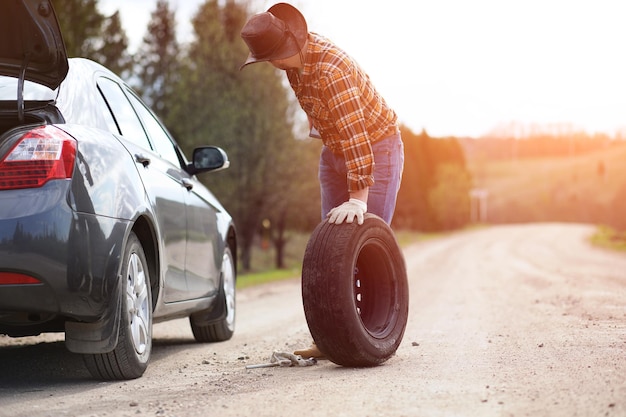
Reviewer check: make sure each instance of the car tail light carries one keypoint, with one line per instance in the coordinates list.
(41, 155)
(14, 278)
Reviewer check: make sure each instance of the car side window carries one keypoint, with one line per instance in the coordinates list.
(127, 121)
(108, 115)
(158, 135)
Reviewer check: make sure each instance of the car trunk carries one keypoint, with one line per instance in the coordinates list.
(35, 113)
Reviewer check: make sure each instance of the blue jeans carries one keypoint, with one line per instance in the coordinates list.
(388, 167)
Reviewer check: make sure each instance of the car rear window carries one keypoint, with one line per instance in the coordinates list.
(32, 91)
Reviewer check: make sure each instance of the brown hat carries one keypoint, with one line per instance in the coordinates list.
(279, 33)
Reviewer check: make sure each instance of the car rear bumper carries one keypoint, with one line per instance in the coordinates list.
(75, 256)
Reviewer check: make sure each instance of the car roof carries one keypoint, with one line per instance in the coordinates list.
(32, 47)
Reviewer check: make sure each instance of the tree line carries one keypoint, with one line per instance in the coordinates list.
(198, 91)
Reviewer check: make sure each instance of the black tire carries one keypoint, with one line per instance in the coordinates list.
(217, 324)
(355, 291)
(130, 357)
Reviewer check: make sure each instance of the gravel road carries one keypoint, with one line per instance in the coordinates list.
(519, 320)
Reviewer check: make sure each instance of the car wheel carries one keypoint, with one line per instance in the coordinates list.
(130, 357)
(217, 324)
(355, 291)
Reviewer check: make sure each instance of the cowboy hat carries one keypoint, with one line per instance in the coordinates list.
(279, 33)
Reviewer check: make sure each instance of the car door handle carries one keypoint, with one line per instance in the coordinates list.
(141, 158)
(187, 183)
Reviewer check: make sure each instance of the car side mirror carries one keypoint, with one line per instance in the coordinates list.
(208, 158)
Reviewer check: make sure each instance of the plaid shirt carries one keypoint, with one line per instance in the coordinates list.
(343, 105)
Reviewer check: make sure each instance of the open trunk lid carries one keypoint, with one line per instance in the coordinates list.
(32, 47)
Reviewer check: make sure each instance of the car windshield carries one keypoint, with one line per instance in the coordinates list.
(32, 91)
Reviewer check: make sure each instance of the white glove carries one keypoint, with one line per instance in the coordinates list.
(348, 211)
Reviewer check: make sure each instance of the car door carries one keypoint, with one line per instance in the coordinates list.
(163, 186)
(204, 254)
(202, 257)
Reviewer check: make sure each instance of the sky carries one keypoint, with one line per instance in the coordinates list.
(468, 67)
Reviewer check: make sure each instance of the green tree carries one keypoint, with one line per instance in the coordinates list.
(81, 26)
(89, 34)
(295, 203)
(429, 164)
(112, 50)
(449, 198)
(412, 209)
(249, 114)
(157, 60)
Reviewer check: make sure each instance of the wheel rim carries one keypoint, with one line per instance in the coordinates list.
(228, 276)
(137, 303)
(375, 290)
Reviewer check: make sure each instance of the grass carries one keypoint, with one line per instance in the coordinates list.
(605, 237)
(265, 272)
(263, 259)
(272, 275)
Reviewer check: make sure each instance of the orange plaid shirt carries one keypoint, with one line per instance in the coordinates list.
(343, 105)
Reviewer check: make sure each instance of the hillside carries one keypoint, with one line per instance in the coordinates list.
(580, 188)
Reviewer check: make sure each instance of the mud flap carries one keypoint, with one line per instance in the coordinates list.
(97, 337)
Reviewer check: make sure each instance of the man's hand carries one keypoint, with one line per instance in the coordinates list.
(348, 211)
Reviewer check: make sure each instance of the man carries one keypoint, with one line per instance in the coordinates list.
(362, 156)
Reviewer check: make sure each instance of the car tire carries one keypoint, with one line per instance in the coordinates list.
(218, 323)
(130, 357)
(355, 291)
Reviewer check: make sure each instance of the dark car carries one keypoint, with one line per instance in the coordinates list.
(104, 227)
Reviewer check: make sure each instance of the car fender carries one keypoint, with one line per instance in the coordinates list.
(100, 166)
